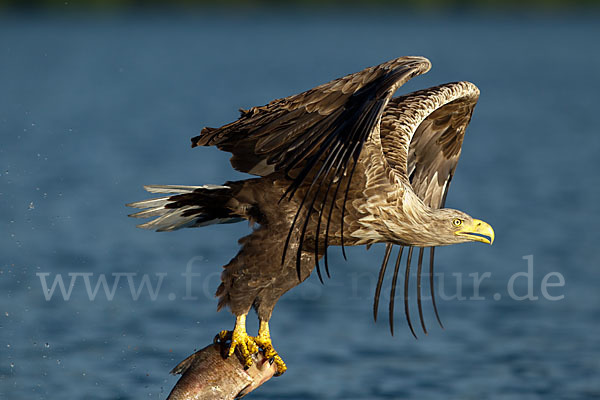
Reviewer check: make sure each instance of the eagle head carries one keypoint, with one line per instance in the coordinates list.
(454, 226)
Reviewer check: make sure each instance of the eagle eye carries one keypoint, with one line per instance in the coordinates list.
(457, 222)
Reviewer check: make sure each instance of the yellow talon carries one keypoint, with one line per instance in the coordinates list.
(263, 340)
(223, 336)
(239, 340)
(247, 346)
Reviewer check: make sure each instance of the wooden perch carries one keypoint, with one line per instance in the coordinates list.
(207, 374)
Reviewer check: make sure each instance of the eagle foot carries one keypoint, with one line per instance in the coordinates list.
(242, 342)
(239, 339)
(248, 346)
(263, 340)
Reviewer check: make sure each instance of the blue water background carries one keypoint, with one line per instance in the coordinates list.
(94, 107)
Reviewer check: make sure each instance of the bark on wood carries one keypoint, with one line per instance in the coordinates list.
(207, 374)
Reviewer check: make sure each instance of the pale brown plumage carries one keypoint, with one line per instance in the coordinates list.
(341, 164)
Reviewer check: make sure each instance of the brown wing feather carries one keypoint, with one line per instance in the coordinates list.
(436, 143)
(435, 150)
(287, 132)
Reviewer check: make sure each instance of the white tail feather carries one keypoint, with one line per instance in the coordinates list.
(179, 189)
(158, 202)
(150, 212)
(172, 218)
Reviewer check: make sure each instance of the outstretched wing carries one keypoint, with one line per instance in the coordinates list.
(298, 130)
(436, 147)
(314, 137)
(422, 134)
(433, 154)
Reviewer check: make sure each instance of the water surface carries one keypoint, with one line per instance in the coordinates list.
(92, 108)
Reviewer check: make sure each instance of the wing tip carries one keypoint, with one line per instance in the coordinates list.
(204, 138)
(422, 63)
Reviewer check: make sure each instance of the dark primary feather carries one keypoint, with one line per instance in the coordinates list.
(431, 286)
(314, 137)
(406, 281)
(388, 251)
(393, 291)
(419, 305)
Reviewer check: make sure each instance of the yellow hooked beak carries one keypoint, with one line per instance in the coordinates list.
(477, 230)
